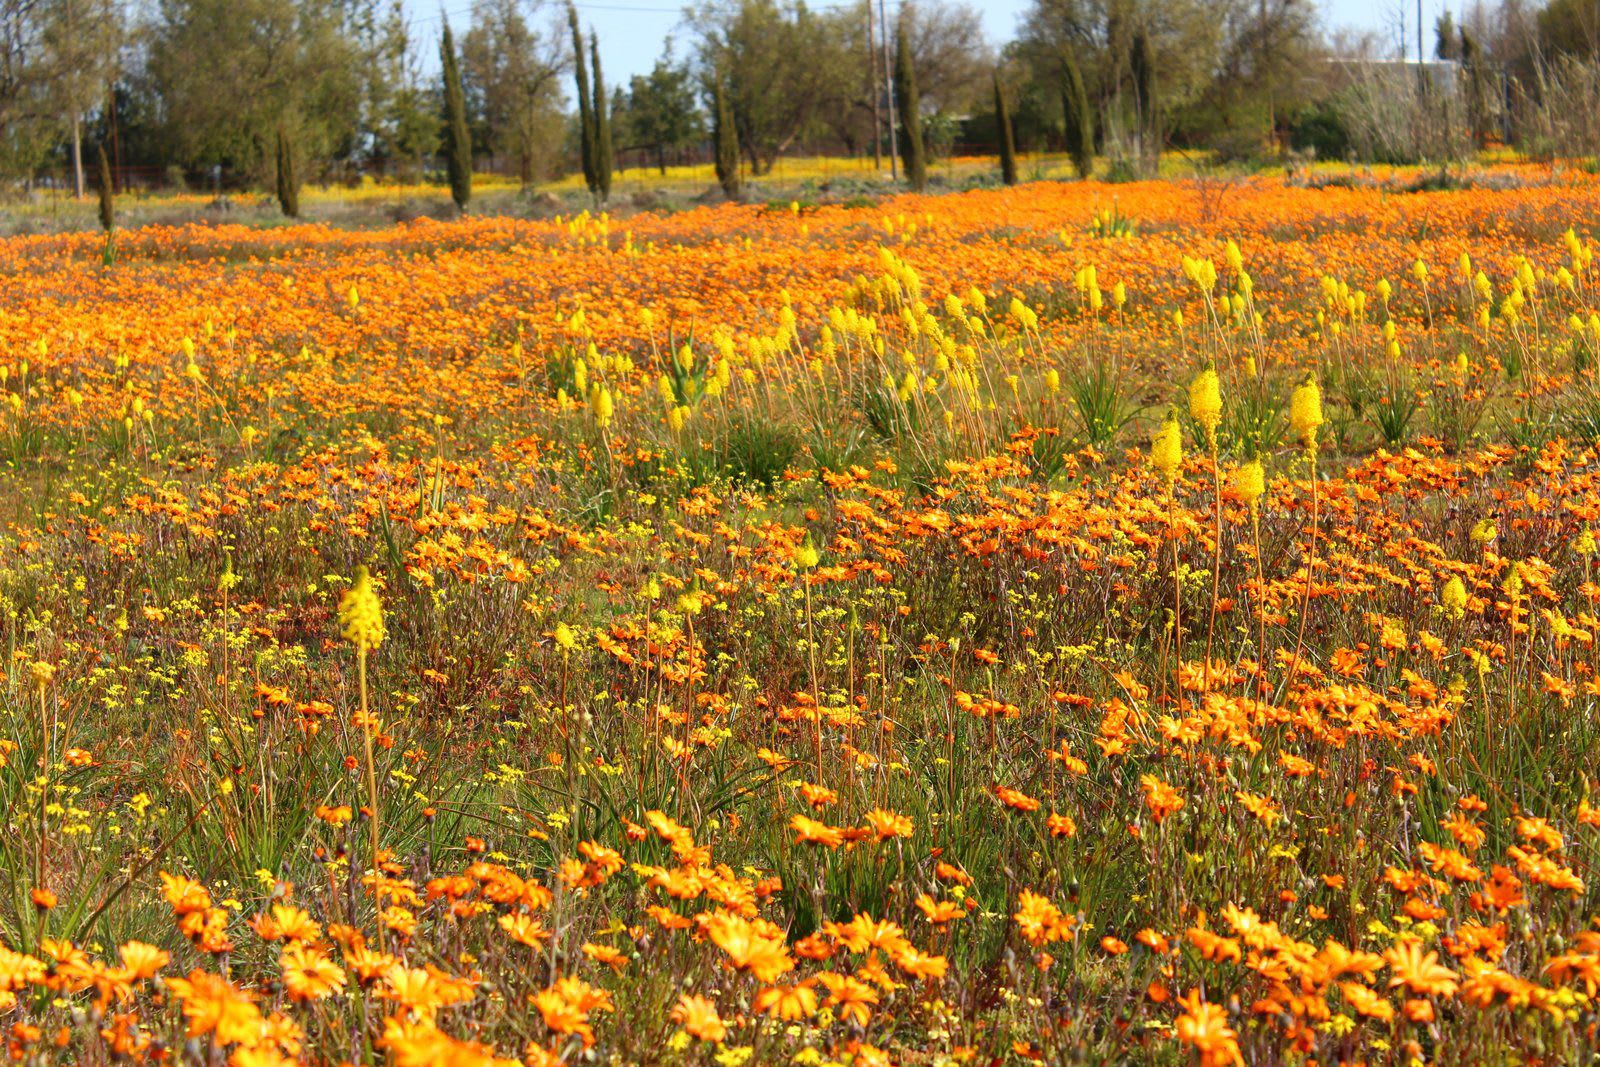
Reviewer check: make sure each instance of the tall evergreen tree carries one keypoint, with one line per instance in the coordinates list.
(905, 93)
(1008, 143)
(726, 139)
(288, 176)
(604, 153)
(1079, 117)
(108, 193)
(457, 137)
(586, 126)
(1142, 68)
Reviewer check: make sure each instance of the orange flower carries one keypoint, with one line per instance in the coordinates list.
(308, 974)
(699, 1018)
(790, 1003)
(1205, 1027)
(750, 948)
(1011, 798)
(1061, 825)
(1159, 797)
(214, 1006)
(810, 831)
(1419, 972)
(887, 824)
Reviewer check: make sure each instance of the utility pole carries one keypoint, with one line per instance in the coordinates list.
(888, 85)
(872, 91)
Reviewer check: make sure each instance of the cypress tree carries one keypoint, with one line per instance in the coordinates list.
(457, 138)
(727, 141)
(1008, 144)
(905, 92)
(108, 199)
(1141, 65)
(586, 131)
(288, 180)
(1477, 96)
(1079, 119)
(604, 155)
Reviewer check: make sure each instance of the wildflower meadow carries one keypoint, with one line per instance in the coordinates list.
(1061, 623)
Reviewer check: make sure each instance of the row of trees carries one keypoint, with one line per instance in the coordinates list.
(259, 88)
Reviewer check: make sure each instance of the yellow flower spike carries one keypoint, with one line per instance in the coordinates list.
(1512, 586)
(1453, 598)
(361, 613)
(227, 579)
(43, 673)
(1166, 448)
(601, 404)
(806, 556)
(566, 640)
(1305, 413)
(1205, 404)
(1484, 531)
(1234, 256)
(1250, 484)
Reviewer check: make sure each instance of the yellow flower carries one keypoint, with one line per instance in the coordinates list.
(602, 405)
(1513, 583)
(805, 554)
(565, 638)
(360, 613)
(1484, 531)
(1453, 598)
(1166, 447)
(1305, 412)
(1249, 483)
(1233, 255)
(1205, 404)
(42, 673)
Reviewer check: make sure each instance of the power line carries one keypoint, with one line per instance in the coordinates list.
(629, 9)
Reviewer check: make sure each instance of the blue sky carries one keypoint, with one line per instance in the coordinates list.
(632, 31)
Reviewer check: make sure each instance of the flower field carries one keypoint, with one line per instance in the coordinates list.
(1071, 623)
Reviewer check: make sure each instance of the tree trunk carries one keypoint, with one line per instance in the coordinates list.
(77, 157)
(906, 101)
